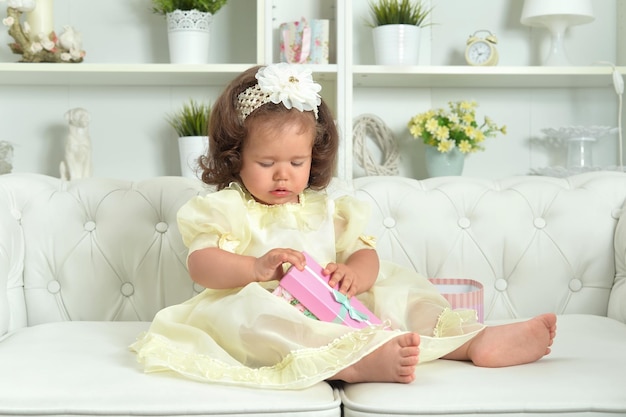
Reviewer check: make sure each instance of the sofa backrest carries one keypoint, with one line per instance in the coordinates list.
(104, 249)
(91, 249)
(537, 244)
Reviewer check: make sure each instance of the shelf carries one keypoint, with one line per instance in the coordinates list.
(483, 77)
(363, 75)
(131, 74)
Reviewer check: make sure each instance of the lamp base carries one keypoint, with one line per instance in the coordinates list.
(557, 55)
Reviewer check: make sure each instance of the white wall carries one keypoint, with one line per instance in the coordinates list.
(131, 138)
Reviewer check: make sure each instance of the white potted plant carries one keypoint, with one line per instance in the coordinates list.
(188, 28)
(191, 123)
(396, 30)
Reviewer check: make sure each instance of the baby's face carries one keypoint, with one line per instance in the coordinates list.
(277, 162)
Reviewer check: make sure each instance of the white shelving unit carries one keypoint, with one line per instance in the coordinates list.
(344, 80)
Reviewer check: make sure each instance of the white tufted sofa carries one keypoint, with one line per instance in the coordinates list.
(85, 265)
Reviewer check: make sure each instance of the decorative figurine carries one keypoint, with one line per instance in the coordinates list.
(67, 47)
(6, 154)
(77, 163)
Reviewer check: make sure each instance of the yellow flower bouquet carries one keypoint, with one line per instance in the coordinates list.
(455, 127)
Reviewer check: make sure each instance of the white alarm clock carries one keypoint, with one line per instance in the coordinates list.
(481, 50)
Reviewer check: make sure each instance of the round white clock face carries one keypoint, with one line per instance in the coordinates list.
(479, 52)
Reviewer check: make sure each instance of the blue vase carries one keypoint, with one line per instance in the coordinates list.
(440, 164)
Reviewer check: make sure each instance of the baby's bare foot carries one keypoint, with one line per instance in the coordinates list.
(395, 361)
(513, 344)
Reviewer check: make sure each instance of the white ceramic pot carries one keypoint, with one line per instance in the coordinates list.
(189, 35)
(397, 44)
(190, 149)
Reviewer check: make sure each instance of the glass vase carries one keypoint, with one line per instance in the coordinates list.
(440, 164)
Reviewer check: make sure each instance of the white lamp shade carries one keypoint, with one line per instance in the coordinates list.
(538, 12)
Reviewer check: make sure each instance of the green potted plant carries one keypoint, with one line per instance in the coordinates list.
(191, 120)
(396, 30)
(188, 28)
(167, 6)
(191, 124)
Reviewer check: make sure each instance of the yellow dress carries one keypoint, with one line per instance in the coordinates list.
(248, 336)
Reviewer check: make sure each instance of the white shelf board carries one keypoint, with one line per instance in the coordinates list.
(131, 74)
(363, 75)
(484, 77)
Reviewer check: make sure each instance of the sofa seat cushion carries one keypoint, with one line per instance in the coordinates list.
(584, 375)
(86, 368)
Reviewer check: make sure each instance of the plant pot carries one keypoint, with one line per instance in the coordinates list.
(440, 164)
(188, 34)
(396, 44)
(190, 148)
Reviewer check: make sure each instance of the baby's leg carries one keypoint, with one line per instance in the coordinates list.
(510, 344)
(394, 361)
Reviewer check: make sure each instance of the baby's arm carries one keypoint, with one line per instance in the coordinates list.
(218, 269)
(357, 275)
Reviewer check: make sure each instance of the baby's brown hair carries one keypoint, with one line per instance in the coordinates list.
(227, 133)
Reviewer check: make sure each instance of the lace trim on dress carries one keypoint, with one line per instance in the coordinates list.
(307, 214)
(453, 322)
(299, 369)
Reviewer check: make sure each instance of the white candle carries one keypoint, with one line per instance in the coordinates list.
(41, 19)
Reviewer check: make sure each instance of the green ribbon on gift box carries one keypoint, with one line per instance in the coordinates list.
(347, 308)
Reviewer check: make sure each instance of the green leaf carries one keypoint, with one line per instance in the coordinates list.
(406, 12)
(168, 6)
(191, 120)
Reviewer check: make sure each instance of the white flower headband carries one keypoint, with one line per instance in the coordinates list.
(290, 84)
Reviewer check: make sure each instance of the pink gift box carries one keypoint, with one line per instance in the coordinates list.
(462, 294)
(310, 288)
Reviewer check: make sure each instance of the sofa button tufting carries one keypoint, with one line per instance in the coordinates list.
(575, 285)
(127, 289)
(161, 227)
(389, 222)
(197, 288)
(539, 223)
(54, 287)
(90, 226)
(17, 215)
(464, 223)
(501, 284)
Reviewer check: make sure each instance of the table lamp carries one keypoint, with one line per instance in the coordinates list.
(557, 16)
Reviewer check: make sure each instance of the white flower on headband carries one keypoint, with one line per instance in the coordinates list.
(290, 84)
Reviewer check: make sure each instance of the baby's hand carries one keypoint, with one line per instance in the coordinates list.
(343, 275)
(270, 266)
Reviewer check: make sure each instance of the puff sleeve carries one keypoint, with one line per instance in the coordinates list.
(215, 220)
(351, 217)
